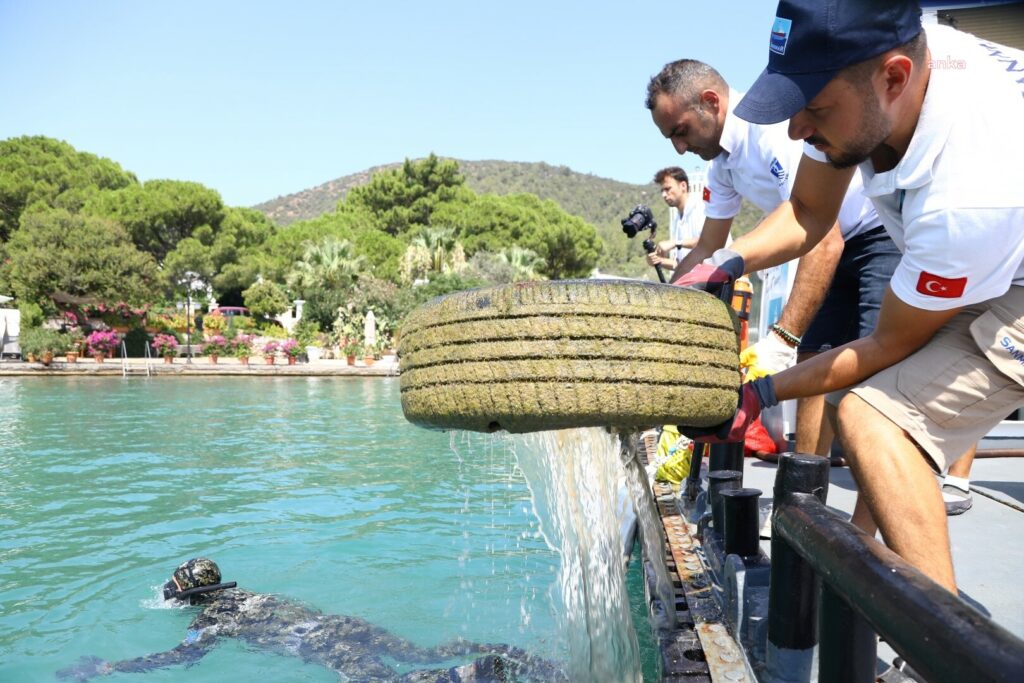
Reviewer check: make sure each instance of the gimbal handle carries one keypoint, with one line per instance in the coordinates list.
(649, 246)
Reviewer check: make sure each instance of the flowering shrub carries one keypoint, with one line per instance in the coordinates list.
(165, 345)
(118, 314)
(271, 347)
(242, 345)
(290, 347)
(215, 323)
(215, 345)
(101, 342)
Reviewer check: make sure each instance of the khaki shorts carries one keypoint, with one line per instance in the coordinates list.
(959, 385)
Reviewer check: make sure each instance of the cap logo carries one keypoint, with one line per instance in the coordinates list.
(780, 35)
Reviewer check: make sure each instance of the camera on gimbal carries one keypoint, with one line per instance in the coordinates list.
(638, 220)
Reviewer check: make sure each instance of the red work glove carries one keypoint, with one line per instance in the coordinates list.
(754, 396)
(723, 268)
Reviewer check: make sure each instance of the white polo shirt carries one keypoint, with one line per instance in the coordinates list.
(688, 225)
(954, 204)
(759, 162)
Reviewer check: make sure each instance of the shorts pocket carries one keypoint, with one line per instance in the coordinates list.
(1002, 342)
(955, 389)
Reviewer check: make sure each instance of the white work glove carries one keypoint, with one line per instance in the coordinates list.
(772, 354)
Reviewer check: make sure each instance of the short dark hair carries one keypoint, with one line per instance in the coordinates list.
(916, 48)
(685, 78)
(674, 171)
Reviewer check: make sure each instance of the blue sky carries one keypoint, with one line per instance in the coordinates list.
(260, 99)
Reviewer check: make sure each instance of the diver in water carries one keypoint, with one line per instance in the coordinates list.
(350, 646)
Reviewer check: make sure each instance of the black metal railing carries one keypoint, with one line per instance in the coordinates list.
(835, 586)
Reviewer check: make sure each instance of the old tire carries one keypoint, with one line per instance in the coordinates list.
(552, 355)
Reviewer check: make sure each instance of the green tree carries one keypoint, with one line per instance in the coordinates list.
(401, 199)
(161, 213)
(51, 172)
(56, 252)
(569, 246)
(266, 299)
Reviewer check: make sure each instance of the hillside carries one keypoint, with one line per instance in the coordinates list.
(601, 202)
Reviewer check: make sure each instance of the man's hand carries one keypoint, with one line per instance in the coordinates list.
(723, 268)
(654, 260)
(665, 246)
(768, 356)
(754, 397)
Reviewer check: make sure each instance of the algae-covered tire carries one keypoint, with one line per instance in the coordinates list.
(550, 355)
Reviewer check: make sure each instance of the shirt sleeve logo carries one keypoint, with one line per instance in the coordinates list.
(707, 193)
(777, 170)
(942, 287)
(780, 35)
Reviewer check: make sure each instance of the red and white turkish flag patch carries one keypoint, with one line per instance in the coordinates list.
(942, 287)
(707, 193)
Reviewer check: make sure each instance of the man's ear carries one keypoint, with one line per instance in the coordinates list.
(710, 101)
(893, 75)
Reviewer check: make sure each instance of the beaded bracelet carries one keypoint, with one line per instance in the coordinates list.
(786, 335)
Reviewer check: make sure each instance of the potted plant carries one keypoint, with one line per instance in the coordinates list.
(51, 342)
(166, 346)
(351, 349)
(101, 343)
(30, 343)
(215, 346)
(291, 349)
(73, 341)
(242, 345)
(269, 349)
(368, 355)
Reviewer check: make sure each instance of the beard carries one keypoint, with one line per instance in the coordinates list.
(875, 129)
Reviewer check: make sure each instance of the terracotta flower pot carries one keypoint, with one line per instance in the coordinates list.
(368, 360)
(213, 358)
(269, 360)
(351, 360)
(168, 360)
(99, 357)
(244, 360)
(47, 357)
(291, 360)
(71, 356)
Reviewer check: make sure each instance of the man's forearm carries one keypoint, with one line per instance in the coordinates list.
(813, 277)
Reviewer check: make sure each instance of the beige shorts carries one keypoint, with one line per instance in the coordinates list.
(959, 385)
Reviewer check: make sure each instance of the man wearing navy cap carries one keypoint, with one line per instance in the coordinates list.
(924, 114)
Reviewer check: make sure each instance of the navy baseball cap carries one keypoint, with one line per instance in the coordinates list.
(812, 40)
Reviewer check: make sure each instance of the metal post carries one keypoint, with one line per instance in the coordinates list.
(726, 456)
(793, 588)
(188, 321)
(742, 522)
(847, 645)
(722, 480)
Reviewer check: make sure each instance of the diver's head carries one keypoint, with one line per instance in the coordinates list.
(198, 575)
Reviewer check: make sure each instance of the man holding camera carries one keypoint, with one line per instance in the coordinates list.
(686, 218)
(692, 105)
(943, 366)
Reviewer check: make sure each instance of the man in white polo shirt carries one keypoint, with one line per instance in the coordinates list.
(686, 218)
(933, 142)
(692, 105)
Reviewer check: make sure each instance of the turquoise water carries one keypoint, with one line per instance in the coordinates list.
(311, 488)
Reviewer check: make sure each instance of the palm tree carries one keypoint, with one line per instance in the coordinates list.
(524, 263)
(433, 250)
(331, 264)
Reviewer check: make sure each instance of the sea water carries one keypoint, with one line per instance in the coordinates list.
(315, 489)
